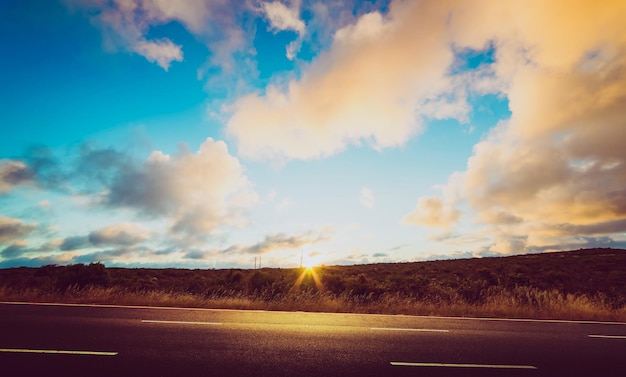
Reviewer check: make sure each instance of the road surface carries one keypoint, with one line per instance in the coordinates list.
(84, 340)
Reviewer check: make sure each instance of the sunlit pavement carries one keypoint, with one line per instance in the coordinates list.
(99, 340)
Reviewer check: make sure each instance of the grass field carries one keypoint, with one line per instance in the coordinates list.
(583, 284)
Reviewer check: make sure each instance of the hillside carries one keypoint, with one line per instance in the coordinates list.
(589, 283)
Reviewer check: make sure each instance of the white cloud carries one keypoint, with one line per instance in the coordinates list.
(124, 234)
(379, 77)
(198, 192)
(283, 17)
(431, 211)
(163, 52)
(366, 197)
(125, 25)
(283, 205)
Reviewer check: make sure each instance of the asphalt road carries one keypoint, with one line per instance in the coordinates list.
(63, 340)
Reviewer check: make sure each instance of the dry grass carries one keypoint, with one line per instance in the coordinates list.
(521, 303)
(578, 285)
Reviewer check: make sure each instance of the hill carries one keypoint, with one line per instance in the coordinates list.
(578, 284)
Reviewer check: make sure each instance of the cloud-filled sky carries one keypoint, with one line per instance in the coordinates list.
(208, 133)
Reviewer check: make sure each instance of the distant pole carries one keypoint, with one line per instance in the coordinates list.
(301, 255)
(259, 261)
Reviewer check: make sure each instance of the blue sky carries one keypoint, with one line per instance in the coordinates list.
(206, 133)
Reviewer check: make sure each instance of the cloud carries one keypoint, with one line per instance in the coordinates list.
(198, 192)
(117, 255)
(556, 170)
(195, 193)
(374, 84)
(20, 248)
(74, 243)
(126, 25)
(283, 17)
(432, 211)
(11, 229)
(124, 234)
(13, 173)
(283, 205)
(281, 241)
(44, 204)
(163, 52)
(366, 198)
(15, 249)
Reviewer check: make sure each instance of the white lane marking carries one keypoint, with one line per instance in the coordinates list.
(445, 365)
(407, 329)
(63, 352)
(180, 322)
(608, 336)
(313, 313)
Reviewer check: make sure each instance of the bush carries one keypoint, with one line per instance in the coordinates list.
(79, 276)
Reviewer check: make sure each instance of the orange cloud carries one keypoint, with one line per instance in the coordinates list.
(556, 169)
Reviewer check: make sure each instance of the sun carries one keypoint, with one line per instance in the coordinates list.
(311, 260)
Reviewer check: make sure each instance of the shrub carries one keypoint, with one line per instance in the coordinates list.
(80, 276)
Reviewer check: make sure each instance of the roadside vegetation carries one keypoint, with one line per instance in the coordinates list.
(583, 284)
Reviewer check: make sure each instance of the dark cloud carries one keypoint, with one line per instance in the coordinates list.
(28, 262)
(46, 168)
(104, 255)
(398, 247)
(581, 242)
(380, 255)
(13, 250)
(196, 192)
(605, 227)
(196, 255)
(13, 173)
(101, 165)
(11, 228)
(75, 243)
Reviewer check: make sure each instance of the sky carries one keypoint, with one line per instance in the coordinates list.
(212, 133)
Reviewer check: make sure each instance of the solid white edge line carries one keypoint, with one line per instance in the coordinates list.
(406, 329)
(179, 322)
(62, 352)
(608, 336)
(447, 365)
(312, 313)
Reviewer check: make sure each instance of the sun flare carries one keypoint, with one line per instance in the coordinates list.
(313, 259)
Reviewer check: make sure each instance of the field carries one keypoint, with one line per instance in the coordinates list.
(585, 284)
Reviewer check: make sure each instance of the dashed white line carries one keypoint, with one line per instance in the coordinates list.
(446, 365)
(181, 322)
(62, 352)
(406, 329)
(608, 336)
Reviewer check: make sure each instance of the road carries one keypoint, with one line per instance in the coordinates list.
(83, 340)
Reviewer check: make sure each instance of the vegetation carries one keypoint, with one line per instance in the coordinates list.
(583, 284)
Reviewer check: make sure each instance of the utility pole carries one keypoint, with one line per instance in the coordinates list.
(259, 261)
